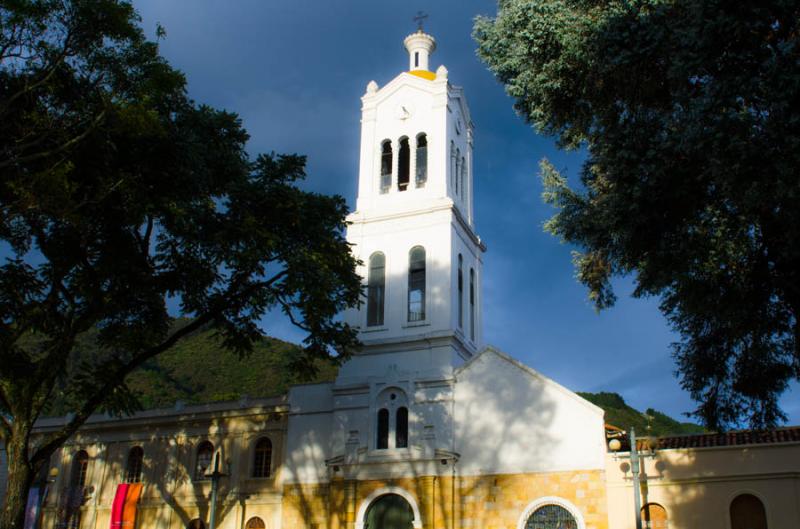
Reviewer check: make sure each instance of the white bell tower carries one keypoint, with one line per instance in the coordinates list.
(413, 228)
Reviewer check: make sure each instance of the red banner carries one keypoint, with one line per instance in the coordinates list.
(118, 506)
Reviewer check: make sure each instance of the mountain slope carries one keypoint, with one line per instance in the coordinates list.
(651, 422)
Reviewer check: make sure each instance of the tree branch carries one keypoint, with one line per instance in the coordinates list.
(61, 148)
(48, 73)
(55, 439)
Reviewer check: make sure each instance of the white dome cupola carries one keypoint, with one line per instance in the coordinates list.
(420, 46)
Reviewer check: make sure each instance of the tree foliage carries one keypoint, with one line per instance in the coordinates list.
(119, 197)
(689, 111)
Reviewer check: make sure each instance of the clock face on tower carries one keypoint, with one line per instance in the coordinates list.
(404, 111)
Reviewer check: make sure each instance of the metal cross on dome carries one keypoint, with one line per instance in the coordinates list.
(420, 18)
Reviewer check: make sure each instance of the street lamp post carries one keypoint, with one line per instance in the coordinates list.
(215, 475)
(635, 458)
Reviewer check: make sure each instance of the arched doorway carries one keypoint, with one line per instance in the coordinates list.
(390, 511)
(654, 516)
(747, 512)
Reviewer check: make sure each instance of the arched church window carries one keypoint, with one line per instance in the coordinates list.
(422, 159)
(654, 516)
(460, 292)
(747, 512)
(262, 458)
(458, 169)
(551, 516)
(255, 523)
(463, 175)
(393, 415)
(75, 493)
(133, 470)
(386, 166)
(197, 523)
(472, 304)
(401, 428)
(383, 429)
(80, 468)
(403, 164)
(376, 288)
(205, 453)
(416, 284)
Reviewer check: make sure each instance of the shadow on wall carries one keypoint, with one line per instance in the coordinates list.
(696, 487)
(174, 494)
(507, 424)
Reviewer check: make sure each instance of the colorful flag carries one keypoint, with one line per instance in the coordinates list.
(32, 509)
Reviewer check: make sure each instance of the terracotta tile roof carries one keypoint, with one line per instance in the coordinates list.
(734, 438)
(790, 434)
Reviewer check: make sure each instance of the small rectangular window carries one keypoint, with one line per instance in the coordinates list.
(416, 59)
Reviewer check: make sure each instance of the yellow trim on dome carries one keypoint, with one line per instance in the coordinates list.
(425, 74)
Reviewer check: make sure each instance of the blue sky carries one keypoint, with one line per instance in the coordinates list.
(295, 70)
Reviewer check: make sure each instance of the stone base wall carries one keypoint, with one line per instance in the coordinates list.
(444, 502)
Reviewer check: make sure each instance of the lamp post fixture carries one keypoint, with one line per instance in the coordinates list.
(634, 457)
(215, 475)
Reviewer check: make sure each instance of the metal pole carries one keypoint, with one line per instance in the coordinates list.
(637, 502)
(212, 523)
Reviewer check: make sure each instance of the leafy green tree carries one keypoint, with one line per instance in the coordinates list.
(689, 111)
(119, 196)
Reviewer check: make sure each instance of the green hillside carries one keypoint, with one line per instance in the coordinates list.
(200, 370)
(620, 414)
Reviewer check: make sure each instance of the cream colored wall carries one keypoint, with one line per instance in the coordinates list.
(696, 486)
(510, 419)
(170, 496)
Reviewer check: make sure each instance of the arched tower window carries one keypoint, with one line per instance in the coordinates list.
(80, 468)
(747, 512)
(392, 426)
(460, 292)
(205, 453)
(403, 164)
(133, 470)
(262, 458)
(452, 165)
(458, 169)
(386, 166)
(422, 160)
(383, 429)
(376, 288)
(416, 284)
(463, 175)
(472, 304)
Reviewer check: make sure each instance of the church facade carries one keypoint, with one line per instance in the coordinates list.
(426, 426)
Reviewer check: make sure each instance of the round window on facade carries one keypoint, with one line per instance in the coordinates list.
(551, 517)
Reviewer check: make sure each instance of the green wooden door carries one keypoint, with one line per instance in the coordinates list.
(389, 512)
